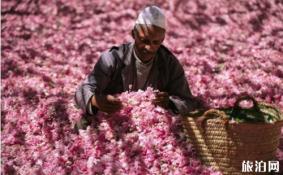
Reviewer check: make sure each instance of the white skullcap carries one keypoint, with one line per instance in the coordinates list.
(152, 15)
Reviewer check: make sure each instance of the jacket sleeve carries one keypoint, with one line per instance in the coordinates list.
(181, 98)
(95, 82)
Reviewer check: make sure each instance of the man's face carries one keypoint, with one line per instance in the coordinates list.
(148, 39)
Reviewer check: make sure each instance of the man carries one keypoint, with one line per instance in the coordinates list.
(145, 62)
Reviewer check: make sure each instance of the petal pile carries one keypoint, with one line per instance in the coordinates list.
(49, 47)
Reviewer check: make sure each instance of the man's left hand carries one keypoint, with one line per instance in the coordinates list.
(161, 99)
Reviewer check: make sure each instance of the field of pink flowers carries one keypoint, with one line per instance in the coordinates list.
(48, 48)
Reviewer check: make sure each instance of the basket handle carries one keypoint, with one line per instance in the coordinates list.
(237, 106)
(211, 114)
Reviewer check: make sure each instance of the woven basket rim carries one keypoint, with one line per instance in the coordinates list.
(280, 122)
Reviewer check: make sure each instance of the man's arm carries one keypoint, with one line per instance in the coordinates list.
(95, 83)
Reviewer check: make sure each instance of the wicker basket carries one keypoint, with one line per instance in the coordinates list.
(224, 145)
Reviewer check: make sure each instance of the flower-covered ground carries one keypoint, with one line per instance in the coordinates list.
(48, 48)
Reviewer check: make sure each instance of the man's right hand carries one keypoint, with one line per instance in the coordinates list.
(106, 103)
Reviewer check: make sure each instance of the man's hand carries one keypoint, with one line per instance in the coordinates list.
(161, 99)
(106, 103)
